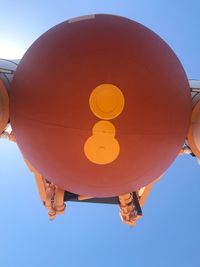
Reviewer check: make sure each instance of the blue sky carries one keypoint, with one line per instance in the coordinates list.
(90, 234)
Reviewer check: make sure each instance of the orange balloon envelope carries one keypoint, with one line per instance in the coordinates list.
(100, 105)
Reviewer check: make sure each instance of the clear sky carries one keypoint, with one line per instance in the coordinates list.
(92, 234)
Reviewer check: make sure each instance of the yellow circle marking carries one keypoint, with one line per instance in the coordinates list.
(101, 148)
(104, 127)
(106, 101)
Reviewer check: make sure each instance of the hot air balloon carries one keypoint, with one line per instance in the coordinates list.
(100, 106)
